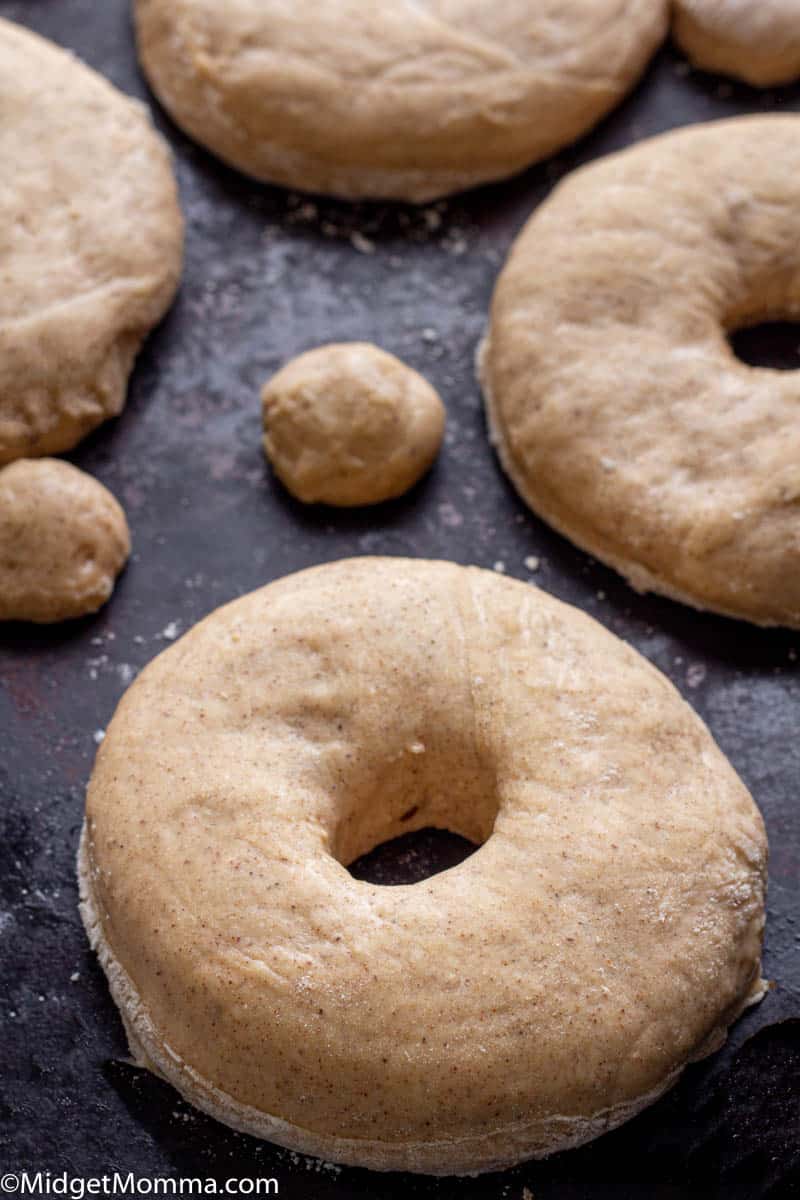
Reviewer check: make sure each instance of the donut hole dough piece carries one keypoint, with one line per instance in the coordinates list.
(616, 403)
(755, 40)
(407, 101)
(63, 541)
(90, 244)
(542, 991)
(349, 424)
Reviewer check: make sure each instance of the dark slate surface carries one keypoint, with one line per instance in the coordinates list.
(269, 274)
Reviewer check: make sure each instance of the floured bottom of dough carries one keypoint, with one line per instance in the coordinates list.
(494, 1150)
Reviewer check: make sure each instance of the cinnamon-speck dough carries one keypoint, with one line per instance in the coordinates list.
(617, 405)
(542, 991)
(405, 99)
(90, 244)
(755, 40)
(349, 424)
(63, 541)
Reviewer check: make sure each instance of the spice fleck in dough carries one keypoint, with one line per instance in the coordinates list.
(606, 933)
(617, 405)
(90, 244)
(349, 424)
(63, 541)
(407, 101)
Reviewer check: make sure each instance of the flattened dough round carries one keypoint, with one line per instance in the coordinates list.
(63, 541)
(90, 244)
(402, 99)
(617, 405)
(756, 40)
(606, 932)
(349, 424)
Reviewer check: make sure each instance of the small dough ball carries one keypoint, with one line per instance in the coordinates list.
(63, 541)
(349, 424)
(754, 40)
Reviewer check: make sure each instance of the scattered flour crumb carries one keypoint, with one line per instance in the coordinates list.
(362, 244)
(450, 516)
(532, 562)
(98, 736)
(171, 631)
(695, 674)
(500, 566)
(75, 976)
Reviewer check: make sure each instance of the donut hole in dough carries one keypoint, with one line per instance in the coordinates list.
(412, 857)
(774, 345)
(440, 782)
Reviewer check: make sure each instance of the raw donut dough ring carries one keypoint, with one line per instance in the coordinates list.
(616, 404)
(399, 99)
(755, 40)
(539, 993)
(63, 541)
(90, 244)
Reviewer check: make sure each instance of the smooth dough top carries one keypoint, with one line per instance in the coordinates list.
(618, 406)
(406, 99)
(349, 424)
(90, 244)
(604, 934)
(63, 541)
(756, 40)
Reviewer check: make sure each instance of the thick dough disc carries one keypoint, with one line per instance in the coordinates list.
(90, 244)
(405, 99)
